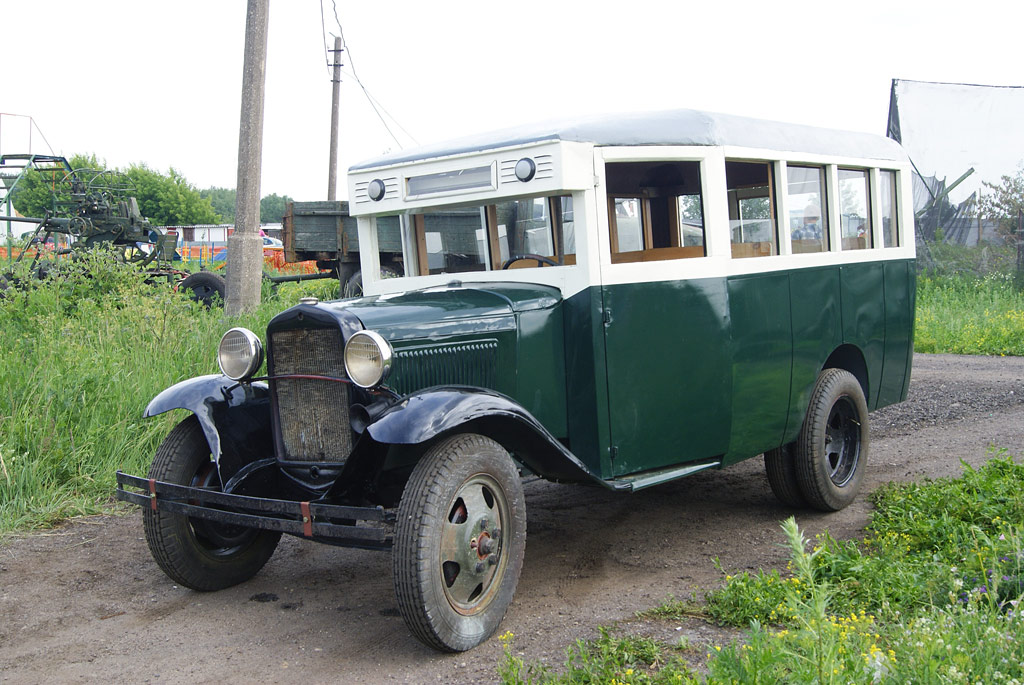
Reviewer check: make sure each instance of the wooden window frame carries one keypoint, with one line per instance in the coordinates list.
(755, 249)
(869, 243)
(553, 206)
(646, 253)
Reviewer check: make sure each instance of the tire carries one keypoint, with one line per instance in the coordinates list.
(452, 591)
(204, 287)
(780, 466)
(832, 450)
(199, 554)
(354, 285)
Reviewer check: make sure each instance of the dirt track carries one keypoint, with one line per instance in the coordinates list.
(87, 602)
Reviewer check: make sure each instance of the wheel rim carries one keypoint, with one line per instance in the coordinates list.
(217, 539)
(842, 442)
(473, 536)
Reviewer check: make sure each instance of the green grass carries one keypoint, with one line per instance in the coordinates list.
(607, 659)
(81, 354)
(932, 594)
(969, 315)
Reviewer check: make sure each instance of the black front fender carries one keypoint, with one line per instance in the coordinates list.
(235, 418)
(427, 414)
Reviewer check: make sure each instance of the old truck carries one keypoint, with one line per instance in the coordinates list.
(323, 232)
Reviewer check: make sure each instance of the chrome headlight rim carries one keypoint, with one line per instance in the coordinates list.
(244, 366)
(385, 355)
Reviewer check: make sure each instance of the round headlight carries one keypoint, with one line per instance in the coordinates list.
(239, 354)
(367, 359)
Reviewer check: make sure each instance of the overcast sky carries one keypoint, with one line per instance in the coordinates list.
(160, 82)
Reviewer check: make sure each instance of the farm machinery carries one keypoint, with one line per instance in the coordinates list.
(90, 208)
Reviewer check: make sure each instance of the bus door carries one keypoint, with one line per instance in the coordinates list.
(666, 331)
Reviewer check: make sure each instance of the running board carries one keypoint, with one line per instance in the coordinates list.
(646, 479)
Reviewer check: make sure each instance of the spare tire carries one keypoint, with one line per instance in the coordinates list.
(204, 287)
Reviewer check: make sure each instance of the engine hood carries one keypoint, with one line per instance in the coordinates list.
(415, 313)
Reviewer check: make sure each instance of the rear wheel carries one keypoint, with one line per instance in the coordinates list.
(780, 466)
(459, 542)
(832, 450)
(196, 553)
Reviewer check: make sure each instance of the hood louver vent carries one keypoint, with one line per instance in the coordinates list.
(472, 363)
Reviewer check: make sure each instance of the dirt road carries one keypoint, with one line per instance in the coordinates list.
(86, 601)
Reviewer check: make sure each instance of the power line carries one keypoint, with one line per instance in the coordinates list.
(323, 34)
(373, 100)
(377, 107)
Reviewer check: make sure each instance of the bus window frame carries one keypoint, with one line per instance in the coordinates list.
(593, 250)
(493, 259)
(609, 257)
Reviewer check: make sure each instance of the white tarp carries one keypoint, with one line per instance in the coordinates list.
(948, 128)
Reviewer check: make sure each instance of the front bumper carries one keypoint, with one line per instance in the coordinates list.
(370, 527)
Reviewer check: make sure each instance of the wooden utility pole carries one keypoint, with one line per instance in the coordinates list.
(245, 247)
(332, 173)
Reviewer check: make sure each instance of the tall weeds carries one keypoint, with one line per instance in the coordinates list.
(81, 354)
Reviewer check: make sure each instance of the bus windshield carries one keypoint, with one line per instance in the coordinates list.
(528, 232)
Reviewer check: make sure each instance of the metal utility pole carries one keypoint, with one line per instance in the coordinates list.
(332, 172)
(245, 248)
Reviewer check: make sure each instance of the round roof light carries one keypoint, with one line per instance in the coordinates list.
(526, 168)
(376, 190)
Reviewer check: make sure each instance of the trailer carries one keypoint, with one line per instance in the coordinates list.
(323, 232)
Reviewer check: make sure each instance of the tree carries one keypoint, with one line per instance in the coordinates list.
(165, 199)
(272, 208)
(1004, 203)
(36, 191)
(223, 202)
(169, 200)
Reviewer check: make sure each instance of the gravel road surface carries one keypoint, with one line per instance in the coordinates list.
(86, 602)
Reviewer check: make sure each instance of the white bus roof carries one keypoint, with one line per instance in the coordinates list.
(672, 127)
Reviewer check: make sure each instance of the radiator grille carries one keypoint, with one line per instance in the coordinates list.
(472, 363)
(312, 414)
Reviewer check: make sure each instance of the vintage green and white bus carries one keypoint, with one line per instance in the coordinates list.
(620, 301)
(704, 272)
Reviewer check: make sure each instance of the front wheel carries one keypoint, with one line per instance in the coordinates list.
(459, 542)
(832, 450)
(196, 553)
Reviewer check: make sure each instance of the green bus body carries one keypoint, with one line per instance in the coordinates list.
(723, 372)
(692, 367)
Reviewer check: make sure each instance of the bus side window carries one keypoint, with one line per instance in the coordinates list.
(890, 217)
(655, 211)
(751, 209)
(854, 217)
(807, 208)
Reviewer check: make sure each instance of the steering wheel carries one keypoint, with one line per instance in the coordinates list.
(539, 258)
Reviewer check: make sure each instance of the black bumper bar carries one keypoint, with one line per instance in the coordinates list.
(336, 524)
